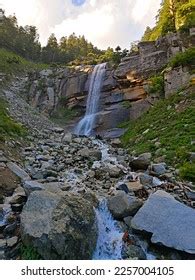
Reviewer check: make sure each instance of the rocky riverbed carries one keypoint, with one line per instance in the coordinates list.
(63, 178)
(75, 197)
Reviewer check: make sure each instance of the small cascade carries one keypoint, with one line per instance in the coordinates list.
(86, 125)
(109, 243)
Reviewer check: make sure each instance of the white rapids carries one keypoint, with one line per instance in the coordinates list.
(109, 242)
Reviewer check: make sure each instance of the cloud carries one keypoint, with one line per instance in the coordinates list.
(104, 23)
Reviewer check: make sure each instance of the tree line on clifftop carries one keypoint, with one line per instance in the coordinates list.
(173, 15)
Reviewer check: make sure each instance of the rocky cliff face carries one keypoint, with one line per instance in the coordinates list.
(124, 93)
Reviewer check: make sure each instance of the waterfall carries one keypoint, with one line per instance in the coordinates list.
(109, 243)
(86, 125)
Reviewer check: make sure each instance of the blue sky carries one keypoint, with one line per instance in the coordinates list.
(103, 22)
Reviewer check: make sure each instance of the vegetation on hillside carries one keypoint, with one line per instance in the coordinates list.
(72, 49)
(11, 63)
(8, 127)
(186, 58)
(168, 130)
(173, 15)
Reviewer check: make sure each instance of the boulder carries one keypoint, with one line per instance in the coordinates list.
(91, 153)
(170, 222)
(59, 226)
(18, 171)
(142, 162)
(138, 108)
(159, 168)
(134, 186)
(146, 179)
(31, 186)
(123, 205)
(175, 79)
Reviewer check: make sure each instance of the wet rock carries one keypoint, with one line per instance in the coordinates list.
(170, 222)
(123, 187)
(134, 252)
(59, 227)
(127, 221)
(10, 229)
(142, 162)
(12, 241)
(122, 205)
(17, 207)
(91, 154)
(17, 199)
(18, 171)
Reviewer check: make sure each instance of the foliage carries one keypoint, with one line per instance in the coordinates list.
(170, 123)
(173, 15)
(24, 41)
(63, 115)
(8, 127)
(29, 253)
(11, 63)
(187, 171)
(186, 58)
(156, 84)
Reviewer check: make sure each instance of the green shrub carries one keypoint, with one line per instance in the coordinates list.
(186, 58)
(29, 253)
(8, 127)
(156, 85)
(11, 63)
(187, 171)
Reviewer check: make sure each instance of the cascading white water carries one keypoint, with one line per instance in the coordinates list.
(86, 125)
(109, 243)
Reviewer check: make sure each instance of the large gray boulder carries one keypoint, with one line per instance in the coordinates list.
(170, 222)
(142, 162)
(59, 226)
(123, 205)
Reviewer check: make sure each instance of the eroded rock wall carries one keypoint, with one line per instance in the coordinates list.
(124, 94)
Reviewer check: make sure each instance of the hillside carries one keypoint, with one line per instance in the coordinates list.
(168, 131)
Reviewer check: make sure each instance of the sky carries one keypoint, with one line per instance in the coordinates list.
(103, 22)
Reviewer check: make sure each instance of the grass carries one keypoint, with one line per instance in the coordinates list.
(63, 115)
(11, 63)
(170, 122)
(156, 85)
(8, 127)
(187, 171)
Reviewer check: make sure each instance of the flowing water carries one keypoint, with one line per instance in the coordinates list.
(86, 125)
(109, 243)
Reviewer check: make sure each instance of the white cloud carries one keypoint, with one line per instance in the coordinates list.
(104, 23)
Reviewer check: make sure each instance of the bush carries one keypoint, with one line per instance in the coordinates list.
(8, 127)
(156, 84)
(186, 58)
(187, 171)
(29, 253)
